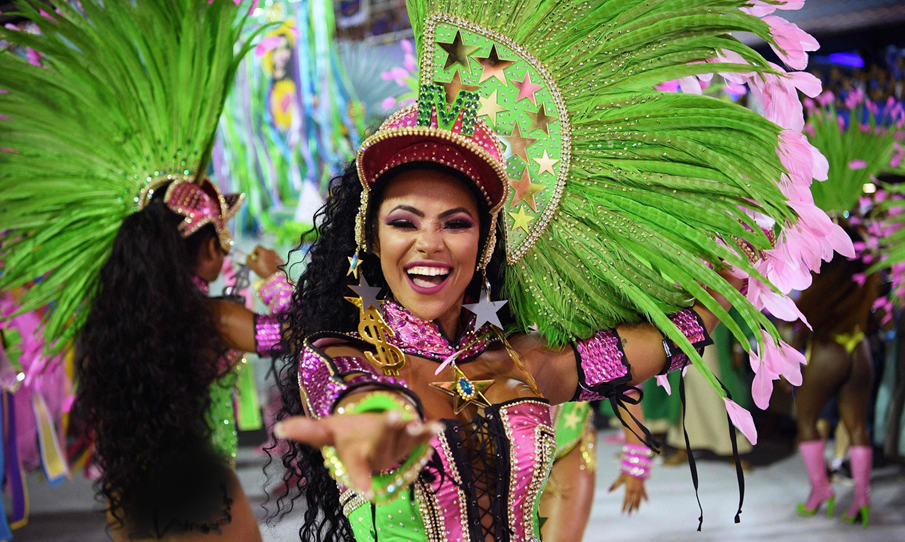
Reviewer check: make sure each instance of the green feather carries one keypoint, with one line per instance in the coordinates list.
(126, 91)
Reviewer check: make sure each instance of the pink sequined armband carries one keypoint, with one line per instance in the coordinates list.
(603, 370)
(691, 325)
(268, 333)
(276, 292)
(323, 380)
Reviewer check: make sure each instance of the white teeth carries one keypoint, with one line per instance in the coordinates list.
(428, 271)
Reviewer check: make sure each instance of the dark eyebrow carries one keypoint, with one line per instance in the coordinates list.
(450, 212)
(410, 209)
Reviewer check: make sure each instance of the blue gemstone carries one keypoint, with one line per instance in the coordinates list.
(465, 386)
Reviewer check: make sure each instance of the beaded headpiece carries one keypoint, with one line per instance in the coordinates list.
(199, 203)
(428, 132)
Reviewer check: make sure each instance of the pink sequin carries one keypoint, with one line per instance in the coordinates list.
(322, 381)
(602, 360)
(267, 334)
(276, 293)
(424, 339)
(689, 324)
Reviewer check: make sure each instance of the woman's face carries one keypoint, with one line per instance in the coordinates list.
(428, 237)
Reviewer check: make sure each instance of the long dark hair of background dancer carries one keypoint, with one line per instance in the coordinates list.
(145, 360)
(318, 305)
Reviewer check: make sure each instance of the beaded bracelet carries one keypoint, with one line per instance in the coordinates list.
(636, 461)
(385, 485)
(276, 292)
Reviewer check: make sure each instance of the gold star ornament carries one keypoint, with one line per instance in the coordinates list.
(521, 219)
(493, 66)
(490, 107)
(546, 164)
(540, 120)
(454, 87)
(464, 391)
(525, 190)
(458, 52)
(518, 144)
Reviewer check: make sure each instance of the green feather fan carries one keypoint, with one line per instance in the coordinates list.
(856, 151)
(126, 91)
(656, 181)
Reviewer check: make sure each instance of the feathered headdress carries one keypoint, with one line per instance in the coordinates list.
(126, 98)
(621, 202)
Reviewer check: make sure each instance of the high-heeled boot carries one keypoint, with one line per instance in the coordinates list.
(821, 490)
(862, 458)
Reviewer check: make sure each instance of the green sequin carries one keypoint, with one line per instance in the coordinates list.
(397, 521)
(221, 417)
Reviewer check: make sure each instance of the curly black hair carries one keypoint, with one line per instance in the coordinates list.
(145, 360)
(318, 305)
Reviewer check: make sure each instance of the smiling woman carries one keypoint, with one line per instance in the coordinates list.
(618, 222)
(427, 241)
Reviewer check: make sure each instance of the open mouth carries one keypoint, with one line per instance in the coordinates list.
(427, 279)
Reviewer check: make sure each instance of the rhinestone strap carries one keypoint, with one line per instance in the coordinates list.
(276, 292)
(603, 370)
(323, 381)
(690, 324)
(267, 335)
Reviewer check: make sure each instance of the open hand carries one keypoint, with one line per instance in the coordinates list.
(365, 443)
(634, 492)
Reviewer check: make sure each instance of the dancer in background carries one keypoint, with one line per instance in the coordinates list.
(568, 497)
(837, 304)
(103, 156)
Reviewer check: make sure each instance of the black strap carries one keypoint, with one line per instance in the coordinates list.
(374, 521)
(689, 453)
(618, 401)
(739, 473)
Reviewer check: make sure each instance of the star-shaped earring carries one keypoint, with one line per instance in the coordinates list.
(368, 294)
(354, 262)
(486, 310)
(464, 391)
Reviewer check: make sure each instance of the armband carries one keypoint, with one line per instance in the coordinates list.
(603, 371)
(636, 461)
(690, 324)
(268, 335)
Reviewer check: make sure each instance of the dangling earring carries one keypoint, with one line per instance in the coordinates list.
(372, 328)
(485, 310)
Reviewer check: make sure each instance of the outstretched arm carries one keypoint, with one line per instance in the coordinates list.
(557, 370)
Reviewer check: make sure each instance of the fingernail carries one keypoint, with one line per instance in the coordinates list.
(414, 428)
(393, 418)
(278, 431)
(437, 427)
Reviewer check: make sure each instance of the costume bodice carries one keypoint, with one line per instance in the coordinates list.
(486, 475)
(484, 482)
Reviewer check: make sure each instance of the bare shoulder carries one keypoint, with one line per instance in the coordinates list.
(533, 344)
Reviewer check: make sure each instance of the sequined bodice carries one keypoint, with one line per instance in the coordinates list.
(484, 483)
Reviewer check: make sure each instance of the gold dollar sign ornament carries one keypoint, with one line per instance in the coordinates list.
(375, 331)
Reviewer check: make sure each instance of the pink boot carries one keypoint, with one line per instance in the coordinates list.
(862, 459)
(821, 491)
